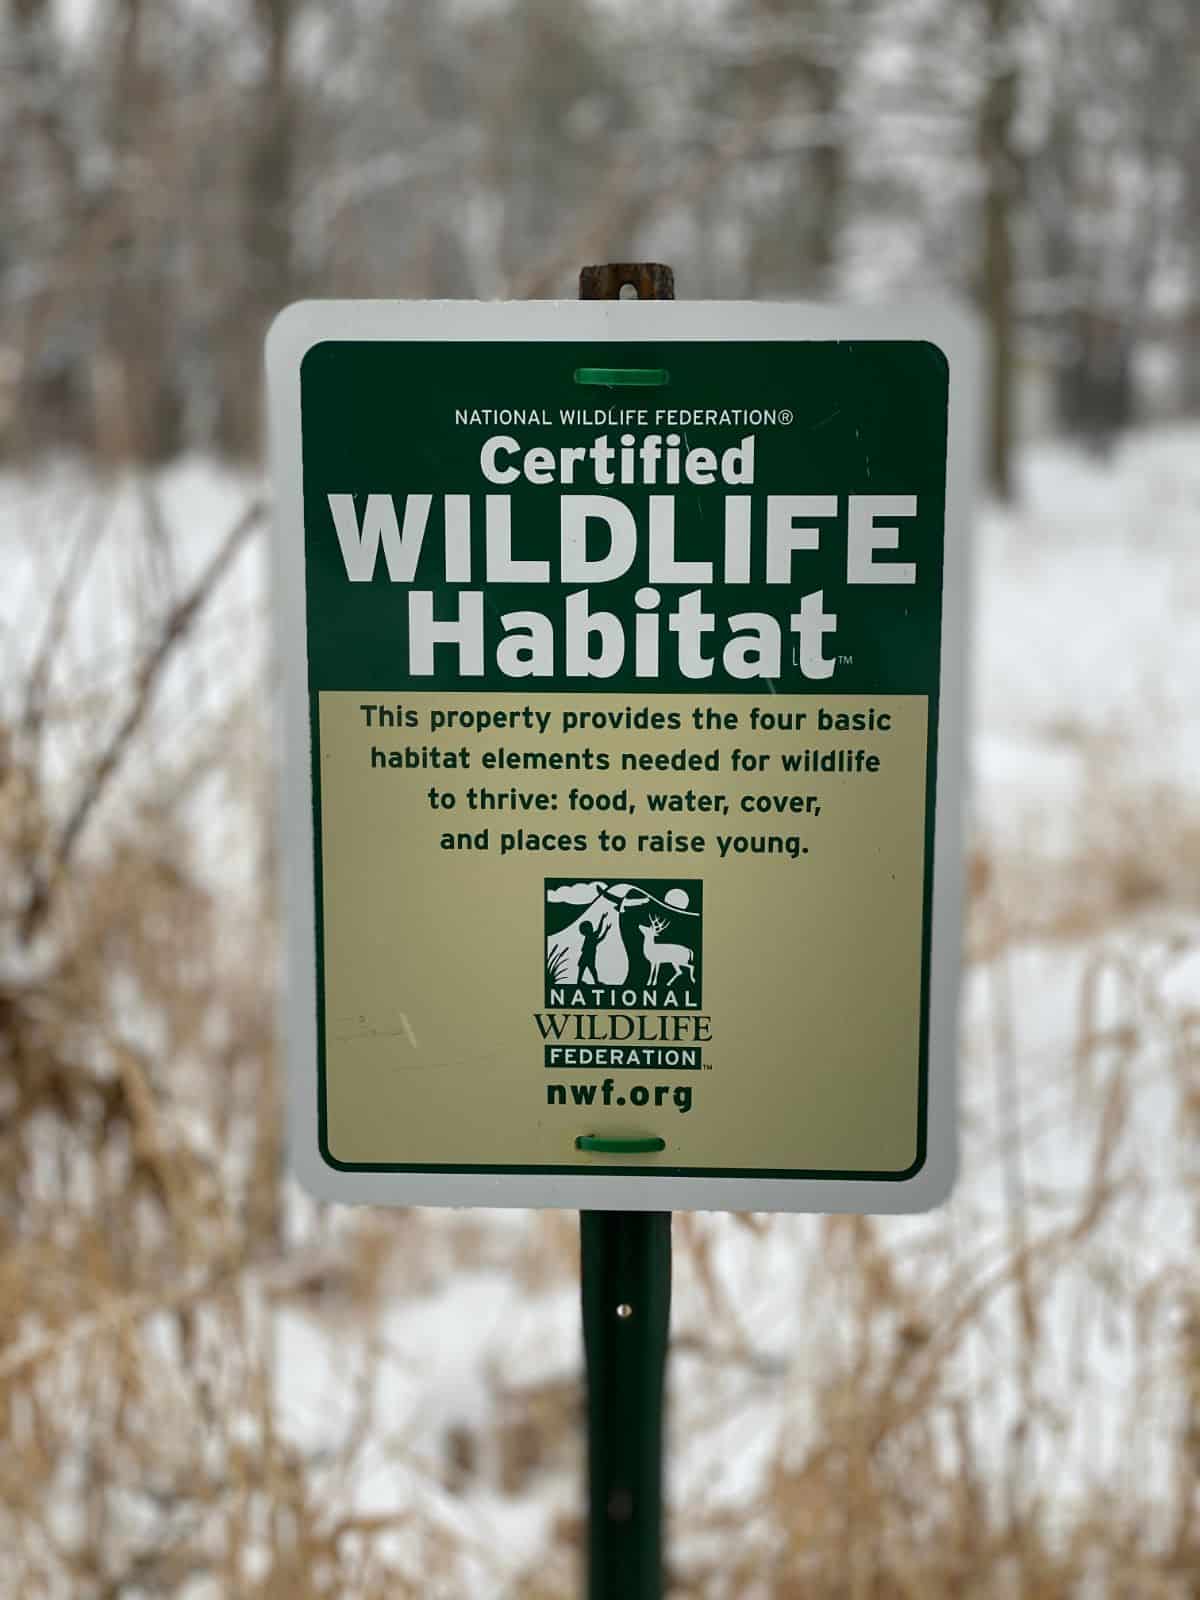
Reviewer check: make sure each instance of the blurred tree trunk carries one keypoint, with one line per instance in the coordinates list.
(796, 74)
(1190, 351)
(444, 271)
(38, 154)
(829, 170)
(998, 162)
(268, 187)
(135, 417)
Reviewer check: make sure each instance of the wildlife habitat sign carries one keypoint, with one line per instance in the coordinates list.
(623, 714)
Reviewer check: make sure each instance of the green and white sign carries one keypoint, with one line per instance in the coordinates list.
(623, 712)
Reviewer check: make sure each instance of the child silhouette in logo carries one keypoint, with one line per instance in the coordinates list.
(589, 943)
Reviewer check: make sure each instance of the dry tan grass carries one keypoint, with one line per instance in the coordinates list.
(147, 1243)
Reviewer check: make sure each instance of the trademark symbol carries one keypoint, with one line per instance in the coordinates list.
(845, 661)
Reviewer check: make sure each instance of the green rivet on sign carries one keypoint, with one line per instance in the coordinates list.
(623, 377)
(619, 1147)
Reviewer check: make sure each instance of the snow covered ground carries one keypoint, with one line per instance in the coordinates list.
(1086, 645)
(1037, 1324)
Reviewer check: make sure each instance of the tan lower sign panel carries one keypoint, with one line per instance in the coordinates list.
(546, 915)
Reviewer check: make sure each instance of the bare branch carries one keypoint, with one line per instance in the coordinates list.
(176, 625)
(34, 711)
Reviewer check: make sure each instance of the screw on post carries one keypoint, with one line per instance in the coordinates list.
(626, 1269)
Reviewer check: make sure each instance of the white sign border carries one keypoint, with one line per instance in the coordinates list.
(307, 323)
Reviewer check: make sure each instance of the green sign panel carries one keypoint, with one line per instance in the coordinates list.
(623, 724)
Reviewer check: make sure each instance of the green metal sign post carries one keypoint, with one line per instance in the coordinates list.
(625, 1262)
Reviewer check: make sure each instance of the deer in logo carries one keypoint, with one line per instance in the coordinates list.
(660, 955)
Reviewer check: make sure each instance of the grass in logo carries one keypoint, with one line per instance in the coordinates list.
(558, 962)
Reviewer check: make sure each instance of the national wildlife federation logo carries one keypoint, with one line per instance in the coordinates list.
(629, 946)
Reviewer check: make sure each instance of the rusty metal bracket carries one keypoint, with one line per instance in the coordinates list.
(650, 279)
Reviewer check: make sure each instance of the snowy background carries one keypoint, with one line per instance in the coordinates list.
(1017, 1363)
(212, 1388)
